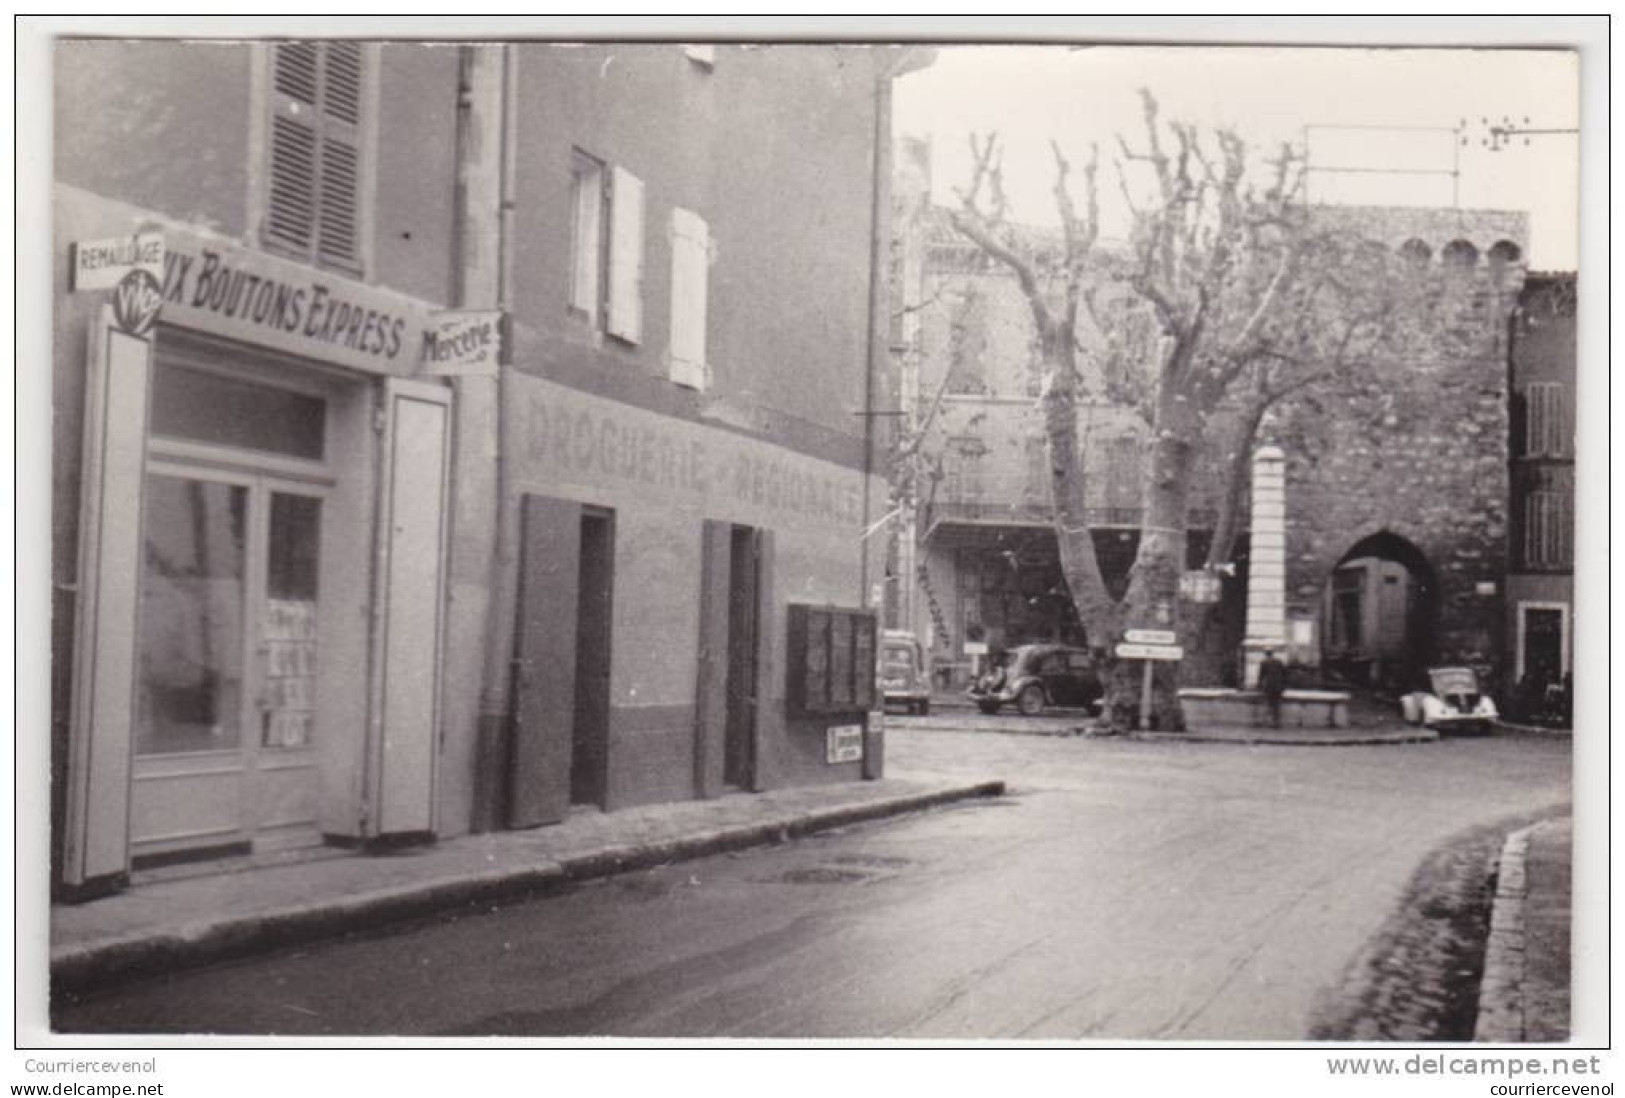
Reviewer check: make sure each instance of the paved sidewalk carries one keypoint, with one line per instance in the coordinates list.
(1524, 995)
(1078, 723)
(190, 916)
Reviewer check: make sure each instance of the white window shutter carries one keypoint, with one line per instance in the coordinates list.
(626, 256)
(690, 274)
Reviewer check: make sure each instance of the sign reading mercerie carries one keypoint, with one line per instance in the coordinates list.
(102, 264)
(464, 342)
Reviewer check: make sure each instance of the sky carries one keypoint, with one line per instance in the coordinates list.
(1405, 103)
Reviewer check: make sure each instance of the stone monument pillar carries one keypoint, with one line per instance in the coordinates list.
(1266, 573)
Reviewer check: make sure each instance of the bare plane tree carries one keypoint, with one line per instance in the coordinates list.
(1238, 300)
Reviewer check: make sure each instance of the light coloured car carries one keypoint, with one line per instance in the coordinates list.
(1454, 704)
(903, 680)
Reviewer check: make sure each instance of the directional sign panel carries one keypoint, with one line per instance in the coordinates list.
(1150, 652)
(1150, 636)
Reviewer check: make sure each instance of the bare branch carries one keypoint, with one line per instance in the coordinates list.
(972, 225)
(1240, 347)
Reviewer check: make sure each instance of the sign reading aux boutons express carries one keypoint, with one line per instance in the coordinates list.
(259, 298)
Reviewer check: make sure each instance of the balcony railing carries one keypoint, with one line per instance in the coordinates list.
(1031, 510)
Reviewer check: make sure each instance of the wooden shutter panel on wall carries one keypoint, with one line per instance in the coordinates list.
(625, 319)
(690, 273)
(337, 235)
(545, 661)
(96, 825)
(412, 584)
(314, 176)
(290, 214)
(711, 693)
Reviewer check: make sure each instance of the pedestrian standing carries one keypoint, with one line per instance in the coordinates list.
(1272, 681)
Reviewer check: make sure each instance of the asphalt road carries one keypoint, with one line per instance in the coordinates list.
(1123, 890)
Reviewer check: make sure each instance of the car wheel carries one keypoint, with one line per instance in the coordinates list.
(988, 707)
(1031, 700)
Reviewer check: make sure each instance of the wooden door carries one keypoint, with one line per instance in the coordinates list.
(544, 661)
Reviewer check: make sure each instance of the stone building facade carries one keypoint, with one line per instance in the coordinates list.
(1407, 465)
(463, 452)
(1540, 580)
(1396, 475)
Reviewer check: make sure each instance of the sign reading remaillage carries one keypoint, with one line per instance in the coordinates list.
(103, 264)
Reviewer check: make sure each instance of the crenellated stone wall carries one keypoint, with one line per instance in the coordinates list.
(1408, 458)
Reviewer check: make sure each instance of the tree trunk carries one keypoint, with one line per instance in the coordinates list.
(1205, 654)
(1152, 601)
(1097, 610)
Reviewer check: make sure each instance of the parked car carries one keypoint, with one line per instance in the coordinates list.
(1035, 676)
(903, 680)
(1454, 704)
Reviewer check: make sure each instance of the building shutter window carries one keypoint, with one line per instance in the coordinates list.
(1544, 420)
(313, 196)
(625, 319)
(690, 274)
(1547, 523)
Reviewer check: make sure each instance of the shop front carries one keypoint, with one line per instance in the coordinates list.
(658, 560)
(261, 540)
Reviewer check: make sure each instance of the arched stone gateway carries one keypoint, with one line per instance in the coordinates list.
(1379, 613)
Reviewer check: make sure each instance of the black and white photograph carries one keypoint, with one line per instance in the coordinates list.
(755, 536)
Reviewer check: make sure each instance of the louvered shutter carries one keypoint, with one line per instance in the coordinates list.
(337, 229)
(690, 272)
(290, 216)
(313, 199)
(625, 319)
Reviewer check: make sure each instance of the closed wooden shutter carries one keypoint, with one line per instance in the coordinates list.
(313, 197)
(337, 238)
(625, 320)
(291, 200)
(106, 657)
(690, 273)
(414, 511)
(545, 661)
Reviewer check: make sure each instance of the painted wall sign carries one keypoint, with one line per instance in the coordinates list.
(136, 301)
(843, 743)
(560, 433)
(467, 342)
(254, 297)
(103, 264)
(1199, 586)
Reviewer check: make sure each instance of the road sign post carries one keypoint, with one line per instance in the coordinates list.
(1148, 646)
(1145, 696)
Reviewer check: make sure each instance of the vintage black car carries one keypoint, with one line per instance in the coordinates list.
(1034, 677)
